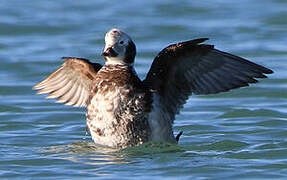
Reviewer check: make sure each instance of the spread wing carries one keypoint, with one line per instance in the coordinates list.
(71, 83)
(190, 67)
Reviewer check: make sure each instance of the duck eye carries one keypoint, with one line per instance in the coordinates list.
(121, 42)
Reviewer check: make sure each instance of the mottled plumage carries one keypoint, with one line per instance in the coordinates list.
(124, 111)
(118, 107)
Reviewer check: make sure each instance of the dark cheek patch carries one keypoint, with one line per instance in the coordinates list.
(130, 52)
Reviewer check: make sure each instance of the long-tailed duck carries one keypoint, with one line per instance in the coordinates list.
(122, 110)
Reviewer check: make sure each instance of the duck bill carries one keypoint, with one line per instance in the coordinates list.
(109, 52)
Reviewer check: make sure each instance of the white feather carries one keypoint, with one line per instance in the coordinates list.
(160, 122)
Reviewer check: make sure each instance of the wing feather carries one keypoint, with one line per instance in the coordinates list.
(71, 83)
(82, 100)
(190, 67)
(75, 97)
(54, 87)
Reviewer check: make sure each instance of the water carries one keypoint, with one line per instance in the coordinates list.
(240, 134)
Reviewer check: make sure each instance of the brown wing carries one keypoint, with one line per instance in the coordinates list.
(190, 67)
(71, 83)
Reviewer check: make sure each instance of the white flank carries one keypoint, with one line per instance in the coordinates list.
(160, 122)
(106, 105)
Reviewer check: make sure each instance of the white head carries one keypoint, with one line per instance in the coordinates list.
(119, 48)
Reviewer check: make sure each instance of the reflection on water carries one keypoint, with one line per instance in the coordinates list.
(85, 152)
(90, 153)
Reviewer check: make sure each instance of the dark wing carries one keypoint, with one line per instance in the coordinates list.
(71, 83)
(190, 67)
